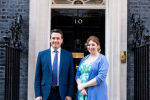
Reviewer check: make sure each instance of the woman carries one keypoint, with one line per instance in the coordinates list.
(92, 72)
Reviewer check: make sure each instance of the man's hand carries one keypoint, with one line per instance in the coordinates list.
(38, 98)
(68, 98)
(83, 92)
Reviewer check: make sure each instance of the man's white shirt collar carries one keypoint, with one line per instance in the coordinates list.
(52, 50)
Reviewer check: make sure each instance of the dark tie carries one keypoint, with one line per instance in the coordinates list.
(55, 66)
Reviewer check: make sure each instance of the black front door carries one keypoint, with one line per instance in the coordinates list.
(77, 26)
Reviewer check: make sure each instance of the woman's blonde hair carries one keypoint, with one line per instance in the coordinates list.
(96, 40)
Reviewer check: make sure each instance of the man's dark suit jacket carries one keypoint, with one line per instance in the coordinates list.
(43, 75)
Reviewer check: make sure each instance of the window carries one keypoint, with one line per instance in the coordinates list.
(78, 2)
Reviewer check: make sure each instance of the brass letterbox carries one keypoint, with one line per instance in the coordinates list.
(77, 55)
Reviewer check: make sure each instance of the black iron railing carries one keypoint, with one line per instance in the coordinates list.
(12, 48)
(12, 69)
(2, 70)
(142, 72)
(11, 61)
(141, 47)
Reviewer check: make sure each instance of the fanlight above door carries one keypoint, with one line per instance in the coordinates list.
(79, 2)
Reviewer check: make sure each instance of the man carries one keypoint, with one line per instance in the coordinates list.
(54, 77)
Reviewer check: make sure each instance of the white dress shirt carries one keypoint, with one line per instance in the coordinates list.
(52, 60)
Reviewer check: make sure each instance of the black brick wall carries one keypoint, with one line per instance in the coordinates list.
(8, 11)
(142, 8)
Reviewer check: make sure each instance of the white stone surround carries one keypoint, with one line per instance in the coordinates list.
(116, 41)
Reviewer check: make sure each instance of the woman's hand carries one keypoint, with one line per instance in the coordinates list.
(81, 87)
(38, 98)
(83, 92)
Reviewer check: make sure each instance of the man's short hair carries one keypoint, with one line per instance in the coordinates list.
(57, 31)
